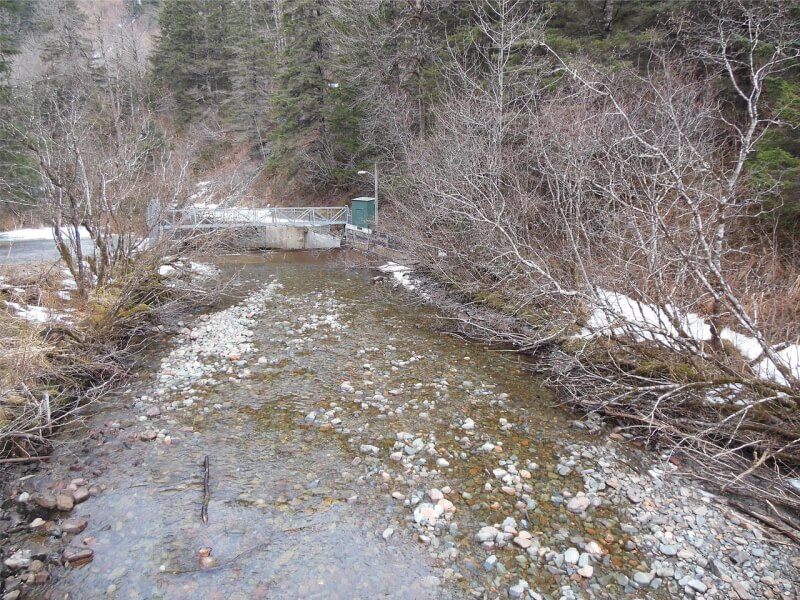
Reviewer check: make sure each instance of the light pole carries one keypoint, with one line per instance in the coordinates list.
(375, 179)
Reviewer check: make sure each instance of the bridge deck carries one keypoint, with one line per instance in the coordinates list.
(212, 218)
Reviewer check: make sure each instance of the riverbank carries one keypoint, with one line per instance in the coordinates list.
(739, 432)
(354, 451)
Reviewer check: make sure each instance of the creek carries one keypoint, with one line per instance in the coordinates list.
(354, 452)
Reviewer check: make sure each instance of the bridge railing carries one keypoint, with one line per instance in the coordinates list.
(198, 216)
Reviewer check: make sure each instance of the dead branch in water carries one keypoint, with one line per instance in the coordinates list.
(204, 508)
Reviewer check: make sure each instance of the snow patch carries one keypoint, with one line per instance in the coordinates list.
(35, 314)
(400, 273)
(619, 315)
(789, 356)
(38, 233)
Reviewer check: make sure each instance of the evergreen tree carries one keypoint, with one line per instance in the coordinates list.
(298, 100)
(17, 179)
(192, 56)
(253, 47)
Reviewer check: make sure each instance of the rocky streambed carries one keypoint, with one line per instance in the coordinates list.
(355, 453)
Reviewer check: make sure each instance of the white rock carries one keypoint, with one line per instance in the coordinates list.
(578, 504)
(571, 556)
(594, 548)
(487, 534)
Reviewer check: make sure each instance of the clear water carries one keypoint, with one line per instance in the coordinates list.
(296, 512)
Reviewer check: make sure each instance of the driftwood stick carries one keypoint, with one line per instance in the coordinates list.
(24, 459)
(779, 525)
(204, 508)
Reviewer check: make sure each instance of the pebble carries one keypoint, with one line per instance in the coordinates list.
(487, 534)
(571, 556)
(74, 524)
(697, 585)
(490, 562)
(435, 494)
(643, 578)
(75, 556)
(635, 494)
(586, 571)
(668, 549)
(45, 500)
(81, 494)
(64, 502)
(518, 590)
(578, 504)
(21, 559)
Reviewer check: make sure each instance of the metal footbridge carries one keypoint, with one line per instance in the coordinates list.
(216, 218)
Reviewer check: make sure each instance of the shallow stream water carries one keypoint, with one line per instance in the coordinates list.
(299, 508)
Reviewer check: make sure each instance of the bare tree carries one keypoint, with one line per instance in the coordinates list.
(98, 151)
(606, 209)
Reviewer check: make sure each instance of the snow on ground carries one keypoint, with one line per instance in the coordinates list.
(400, 273)
(198, 270)
(790, 356)
(748, 347)
(35, 314)
(38, 233)
(619, 315)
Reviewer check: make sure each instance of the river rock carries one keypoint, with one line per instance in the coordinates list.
(523, 542)
(586, 571)
(74, 524)
(21, 559)
(369, 449)
(435, 494)
(490, 562)
(64, 502)
(643, 578)
(427, 514)
(578, 504)
(518, 590)
(594, 548)
(697, 585)
(668, 549)
(76, 557)
(635, 494)
(81, 494)
(487, 534)
(148, 436)
(45, 500)
(571, 556)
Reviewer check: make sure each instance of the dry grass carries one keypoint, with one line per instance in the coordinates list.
(50, 371)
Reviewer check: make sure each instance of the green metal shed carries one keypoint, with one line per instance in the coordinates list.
(362, 211)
